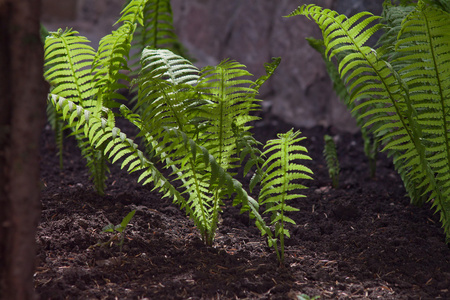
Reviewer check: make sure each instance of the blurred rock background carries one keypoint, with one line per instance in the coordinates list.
(249, 31)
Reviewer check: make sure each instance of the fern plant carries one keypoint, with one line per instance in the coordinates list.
(332, 160)
(117, 230)
(109, 70)
(205, 107)
(67, 56)
(402, 97)
(280, 181)
(193, 122)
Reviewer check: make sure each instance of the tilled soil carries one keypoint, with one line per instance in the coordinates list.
(363, 240)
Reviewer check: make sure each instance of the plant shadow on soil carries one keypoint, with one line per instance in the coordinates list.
(363, 240)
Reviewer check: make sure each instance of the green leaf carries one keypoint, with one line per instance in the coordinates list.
(108, 228)
(126, 220)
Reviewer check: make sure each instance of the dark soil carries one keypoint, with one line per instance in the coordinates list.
(362, 240)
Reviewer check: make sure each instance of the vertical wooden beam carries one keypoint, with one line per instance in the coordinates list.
(22, 114)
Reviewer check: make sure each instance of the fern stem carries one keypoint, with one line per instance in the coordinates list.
(59, 135)
(216, 210)
(155, 26)
(285, 171)
(221, 104)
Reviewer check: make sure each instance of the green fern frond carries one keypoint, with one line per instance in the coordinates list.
(247, 146)
(270, 69)
(133, 12)
(360, 68)
(281, 179)
(165, 82)
(443, 4)
(165, 90)
(165, 87)
(215, 176)
(339, 32)
(68, 59)
(232, 99)
(169, 66)
(424, 46)
(96, 161)
(109, 64)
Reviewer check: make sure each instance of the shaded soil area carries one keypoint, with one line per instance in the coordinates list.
(362, 240)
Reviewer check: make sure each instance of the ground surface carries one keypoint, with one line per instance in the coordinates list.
(360, 241)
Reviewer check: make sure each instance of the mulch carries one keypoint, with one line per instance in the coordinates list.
(363, 240)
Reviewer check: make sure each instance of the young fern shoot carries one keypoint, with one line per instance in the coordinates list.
(332, 160)
(282, 173)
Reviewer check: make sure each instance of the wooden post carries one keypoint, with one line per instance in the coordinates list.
(22, 114)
